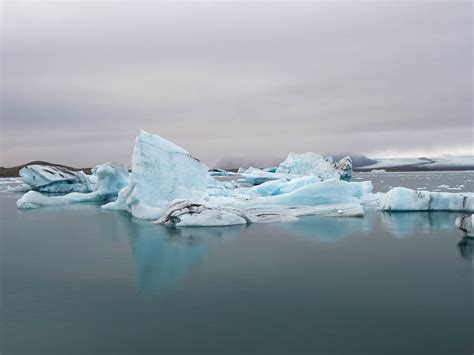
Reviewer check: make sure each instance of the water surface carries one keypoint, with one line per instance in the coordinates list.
(79, 280)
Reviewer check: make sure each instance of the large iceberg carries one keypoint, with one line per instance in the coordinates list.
(46, 178)
(169, 186)
(161, 173)
(403, 199)
(110, 179)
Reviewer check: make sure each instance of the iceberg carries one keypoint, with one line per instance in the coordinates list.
(403, 199)
(110, 179)
(186, 213)
(46, 178)
(282, 186)
(254, 176)
(161, 172)
(344, 168)
(465, 224)
(314, 164)
(189, 213)
(169, 186)
(298, 165)
(326, 192)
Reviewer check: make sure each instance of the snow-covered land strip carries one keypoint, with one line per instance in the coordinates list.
(442, 162)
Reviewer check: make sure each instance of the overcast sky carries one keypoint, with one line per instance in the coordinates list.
(79, 80)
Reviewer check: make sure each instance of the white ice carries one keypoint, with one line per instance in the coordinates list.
(314, 164)
(169, 186)
(161, 173)
(56, 179)
(403, 199)
(110, 179)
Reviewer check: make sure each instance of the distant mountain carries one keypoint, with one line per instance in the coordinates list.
(15, 170)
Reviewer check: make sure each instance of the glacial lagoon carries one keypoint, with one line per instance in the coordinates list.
(77, 279)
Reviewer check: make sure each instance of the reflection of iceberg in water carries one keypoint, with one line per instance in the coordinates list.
(162, 255)
(160, 260)
(466, 248)
(405, 224)
(326, 229)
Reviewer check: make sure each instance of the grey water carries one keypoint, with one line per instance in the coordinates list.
(79, 280)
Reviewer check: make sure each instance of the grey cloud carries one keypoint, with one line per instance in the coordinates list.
(236, 78)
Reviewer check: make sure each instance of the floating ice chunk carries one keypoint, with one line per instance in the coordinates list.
(58, 179)
(111, 178)
(187, 213)
(161, 173)
(220, 172)
(403, 199)
(298, 183)
(343, 168)
(307, 164)
(282, 186)
(329, 191)
(269, 188)
(284, 213)
(254, 176)
(314, 164)
(465, 223)
(213, 183)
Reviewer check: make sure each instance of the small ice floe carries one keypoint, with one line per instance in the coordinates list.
(443, 187)
(403, 199)
(110, 179)
(45, 178)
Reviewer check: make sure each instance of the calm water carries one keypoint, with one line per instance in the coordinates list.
(79, 280)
